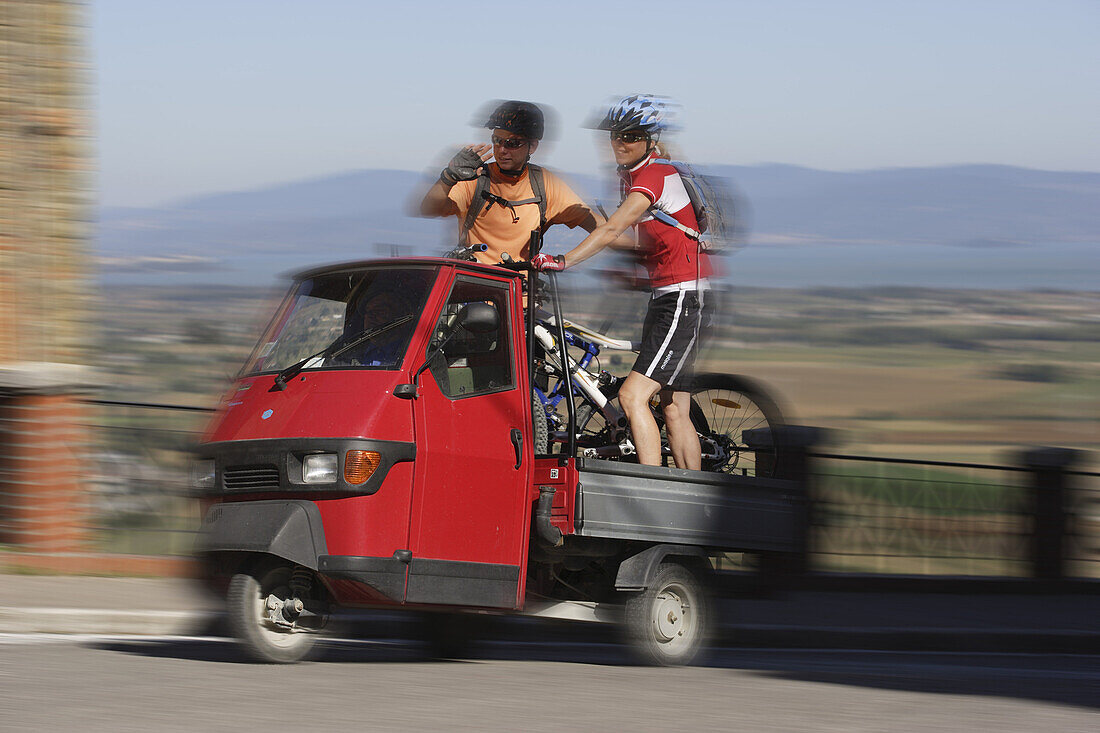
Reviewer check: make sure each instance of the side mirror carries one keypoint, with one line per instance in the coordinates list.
(478, 318)
(475, 318)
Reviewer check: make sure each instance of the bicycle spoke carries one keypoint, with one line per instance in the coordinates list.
(727, 407)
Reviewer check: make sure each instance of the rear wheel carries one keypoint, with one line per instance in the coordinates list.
(263, 616)
(724, 408)
(667, 623)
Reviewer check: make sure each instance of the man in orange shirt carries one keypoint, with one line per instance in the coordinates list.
(502, 214)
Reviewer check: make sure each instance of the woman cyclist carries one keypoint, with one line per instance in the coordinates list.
(677, 270)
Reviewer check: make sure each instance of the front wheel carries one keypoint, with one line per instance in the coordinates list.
(540, 431)
(668, 622)
(263, 618)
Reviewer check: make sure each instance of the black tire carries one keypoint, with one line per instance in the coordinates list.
(540, 430)
(264, 641)
(724, 407)
(668, 622)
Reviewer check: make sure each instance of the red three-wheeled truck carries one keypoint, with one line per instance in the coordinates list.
(394, 442)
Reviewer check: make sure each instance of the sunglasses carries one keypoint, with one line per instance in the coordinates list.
(511, 143)
(629, 137)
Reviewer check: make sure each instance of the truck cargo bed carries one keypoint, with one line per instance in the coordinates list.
(655, 504)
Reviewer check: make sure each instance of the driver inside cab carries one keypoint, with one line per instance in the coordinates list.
(390, 310)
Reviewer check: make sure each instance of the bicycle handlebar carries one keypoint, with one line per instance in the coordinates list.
(464, 253)
(508, 263)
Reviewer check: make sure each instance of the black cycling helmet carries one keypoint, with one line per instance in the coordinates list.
(520, 118)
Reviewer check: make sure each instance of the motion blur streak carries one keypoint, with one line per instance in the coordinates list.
(44, 172)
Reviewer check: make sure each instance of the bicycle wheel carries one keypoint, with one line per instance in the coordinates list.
(540, 429)
(724, 407)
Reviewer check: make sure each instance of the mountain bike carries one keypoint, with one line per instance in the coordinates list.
(735, 417)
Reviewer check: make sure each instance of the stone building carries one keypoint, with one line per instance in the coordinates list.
(45, 211)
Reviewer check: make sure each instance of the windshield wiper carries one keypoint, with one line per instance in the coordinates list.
(337, 347)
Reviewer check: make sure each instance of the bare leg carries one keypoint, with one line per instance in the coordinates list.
(634, 397)
(682, 438)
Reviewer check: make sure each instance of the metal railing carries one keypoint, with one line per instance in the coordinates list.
(868, 515)
(913, 517)
(910, 517)
(1083, 541)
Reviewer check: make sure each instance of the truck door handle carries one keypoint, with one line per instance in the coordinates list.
(517, 443)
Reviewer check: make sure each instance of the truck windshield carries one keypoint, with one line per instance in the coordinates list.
(342, 306)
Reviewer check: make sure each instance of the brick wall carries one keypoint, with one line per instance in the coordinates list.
(43, 477)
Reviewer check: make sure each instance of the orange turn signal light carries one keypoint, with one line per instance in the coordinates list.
(359, 465)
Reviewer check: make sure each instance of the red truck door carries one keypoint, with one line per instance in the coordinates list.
(471, 504)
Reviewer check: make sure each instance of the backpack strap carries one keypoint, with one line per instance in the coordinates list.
(477, 203)
(666, 218)
(539, 190)
(482, 195)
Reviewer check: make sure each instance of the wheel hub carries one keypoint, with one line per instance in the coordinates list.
(717, 451)
(273, 607)
(669, 616)
(282, 613)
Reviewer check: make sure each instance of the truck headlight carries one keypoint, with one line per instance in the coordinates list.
(320, 468)
(202, 474)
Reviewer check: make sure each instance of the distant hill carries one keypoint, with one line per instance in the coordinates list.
(971, 205)
(362, 214)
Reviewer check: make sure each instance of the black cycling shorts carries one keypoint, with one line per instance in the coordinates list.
(673, 326)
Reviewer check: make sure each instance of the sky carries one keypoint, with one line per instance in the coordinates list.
(209, 96)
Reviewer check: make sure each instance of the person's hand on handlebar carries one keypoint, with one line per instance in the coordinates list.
(544, 262)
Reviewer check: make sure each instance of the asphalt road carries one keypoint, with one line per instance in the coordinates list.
(92, 684)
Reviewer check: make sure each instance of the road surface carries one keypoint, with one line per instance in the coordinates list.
(98, 684)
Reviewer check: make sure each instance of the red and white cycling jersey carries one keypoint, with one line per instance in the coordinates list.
(669, 255)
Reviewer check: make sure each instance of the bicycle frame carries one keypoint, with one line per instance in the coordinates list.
(573, 378)
(579, 382)
(583, 384)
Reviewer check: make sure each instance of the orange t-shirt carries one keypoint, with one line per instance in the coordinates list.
(495, 225)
